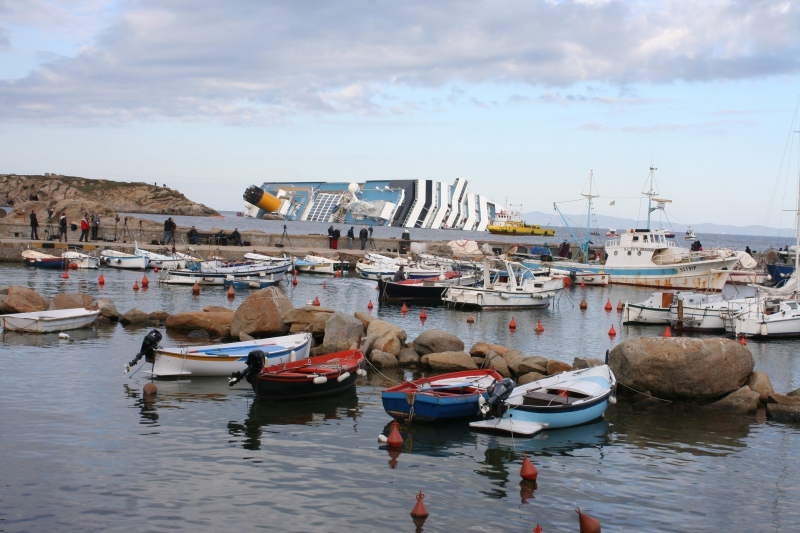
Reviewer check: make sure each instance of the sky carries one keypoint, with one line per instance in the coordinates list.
(522, 98)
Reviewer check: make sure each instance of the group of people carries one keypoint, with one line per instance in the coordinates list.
(696, 246)
(334, 234)
(89, 224)
(220, 237)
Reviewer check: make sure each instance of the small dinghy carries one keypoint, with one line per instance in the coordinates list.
(241, 284)
(41, 259)
(49, 321)
(122, 260)
(445, 397)
(560, 401)
(317, 376)
(75, 259)
(315, 264)
(428, 290)
(217, 359)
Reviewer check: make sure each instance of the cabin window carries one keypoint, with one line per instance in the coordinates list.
(635, 238)
(792, 305)
(644, 238)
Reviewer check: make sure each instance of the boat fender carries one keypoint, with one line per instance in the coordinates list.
(255, 363)
(361, 372)
(343, 377)
(292, 356)
(63, 336)
(320, 380)
(500, 393)
(612, 400)
(149, 345)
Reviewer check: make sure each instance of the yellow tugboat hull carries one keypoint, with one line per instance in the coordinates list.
(519, 230)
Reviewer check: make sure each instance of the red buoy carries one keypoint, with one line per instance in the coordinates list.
(294, 281)
(470, 319)
(423, 315)
(612, 332)
(620, 307)
(567, 281)
(539, 327)
(149, 389)
(528, 471)
(395, 439)
(231, 292)
(369, 305)
(512, 324)
(65, 275)
(419, 510)
(324, 285)
(136, 285)
(667, 332)
(583, 305)
(587, 523)
(101, 280)
(73, 266)
(155, 269)
(338, 274)
(316, 301)
(742, 341)
(195, 289)
(404, 309)
(537, 529)
(295, 272)
(609, 307)
(145, 281)
(583, 285)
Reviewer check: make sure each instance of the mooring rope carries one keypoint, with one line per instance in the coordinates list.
(643, 393)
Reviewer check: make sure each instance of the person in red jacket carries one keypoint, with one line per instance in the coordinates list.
(84, 228)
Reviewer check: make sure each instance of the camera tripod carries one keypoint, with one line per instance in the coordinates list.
(48, 228)
(284, 235)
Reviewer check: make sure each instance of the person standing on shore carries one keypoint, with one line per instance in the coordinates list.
(34, 226)
(237, 237)
(84, 228)
(362, 235)
(95, 225)
(169, 229)
(62, 227)
(335, 240)
(330, 237)
(350, 236)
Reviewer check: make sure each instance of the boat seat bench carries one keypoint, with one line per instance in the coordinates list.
(544, 399)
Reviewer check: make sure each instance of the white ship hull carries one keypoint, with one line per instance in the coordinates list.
(49, 321)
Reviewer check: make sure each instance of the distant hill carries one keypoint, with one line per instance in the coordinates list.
(604, 222)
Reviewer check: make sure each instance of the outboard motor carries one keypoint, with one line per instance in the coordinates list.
(149, 345)
(500, 393)
(255, 363)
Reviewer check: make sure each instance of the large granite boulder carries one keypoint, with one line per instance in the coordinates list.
(72, 301)
(134, 317)
(783, 408)
(341, 327)
(742, 400)
(481, 349)
(382, 359)
(513, 359)
(451, 361)
(557, 367)
(530, 377)
(381, 327)
(216, 324)
(436, 341)
(308, 318)
(388, 343)
(408, 357)
(23, 300)
(261, 314)
(533, 363)
(218, 309)
(586, 362)
(365, 318)
(681, 367)
(492, 360)
(107, 309)
(760, 383)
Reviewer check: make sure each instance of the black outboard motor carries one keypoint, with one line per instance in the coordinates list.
(149, 345)
(255, 363)
(500, 393)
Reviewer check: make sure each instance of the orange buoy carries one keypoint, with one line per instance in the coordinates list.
(404, 309)
(295, 272)
(145, 281)
(667, 332)
(528, 471)
(196, 288)
(567, 282)
(294, 281)
(537, 529)
(149, 389)
(470, 319)
(316, 301)
(539, 327)
(512, 324)
(324, 285)
(423, 315)
(369, 305)
(101, 280)
(620, 307)
(419, 510)
(612, 332)
(742, 341)
(583, 305)
(155, 269)
(587, 523)
(338, 274)
(609, 307)
(231, 292)
(395, 439)
(65, 275)
(136, 285)
(73, 266)
(583, 285)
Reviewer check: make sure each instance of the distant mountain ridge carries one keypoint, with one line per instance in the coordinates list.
(604, 222)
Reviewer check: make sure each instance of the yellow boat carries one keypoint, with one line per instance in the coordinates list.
(506, 223)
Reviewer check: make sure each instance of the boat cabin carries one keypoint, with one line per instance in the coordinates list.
(644, 247)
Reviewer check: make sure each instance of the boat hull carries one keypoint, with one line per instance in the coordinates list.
(49, 321)
(640, 314)
(743, 277)
(324, 375)
(54, 263)
(130, 262)
(476, 298)
(759, 328)
(431, 408)
(285, 390)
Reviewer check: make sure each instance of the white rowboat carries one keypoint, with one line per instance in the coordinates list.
(49, 321)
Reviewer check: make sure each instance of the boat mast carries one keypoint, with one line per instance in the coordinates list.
(650, 194)
(585, 246)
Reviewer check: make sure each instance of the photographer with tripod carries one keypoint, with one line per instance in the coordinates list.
(34, 226)
(62, 227)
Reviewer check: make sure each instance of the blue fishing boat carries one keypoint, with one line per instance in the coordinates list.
(240, 284)
(445, 397)
(780, 272)
(564, 400)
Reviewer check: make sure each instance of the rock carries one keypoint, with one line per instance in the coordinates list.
(383, 360)
(795, 392)
(331, 347)
(451, 361)
(367, 344)
(783, 408)
(530, 377)
(533, 363)
(261, 314)
(408, 357)
(388, 343)
(342, 327)
(436, 341)
(480, 349)
(742, 400)
(760, 383)
(423, 360)
(107, 309)
(682, 367)
(72, 301)
(557, 367)
(774, 397)
(308, 318)
(216, 324)
(22, 300)
(586, 362)
(133, 317)
(494, 360)
(365, 318)
(381, 327)
(243, 336)
(196, 334)
(4, 289)
(479, 361)
(218, 309)
(513, 359)
(159, 316)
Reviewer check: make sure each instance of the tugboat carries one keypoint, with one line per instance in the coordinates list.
(511, 223)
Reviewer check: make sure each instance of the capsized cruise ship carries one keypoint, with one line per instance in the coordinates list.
(403, 203)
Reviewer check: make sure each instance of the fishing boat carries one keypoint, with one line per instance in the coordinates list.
(49, 321)
(581, 277)
(207, 273)
(317, 376)
(218, 359)
(282, 259)
(515, 287)
(250, 282)
(163, 261)
(654, 310)
(766, 317)
(75, 259)
(427, 290)
(123, 260)
(564, 400)
(41, 259)
(612, 233)
(444, 397)
(690, 235)
(315, 264)
(511, 223)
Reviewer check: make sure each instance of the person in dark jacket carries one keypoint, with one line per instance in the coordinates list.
(400, 275)
(350, 236)
(194, 237)
(34, 226)
(169, 228)
(62, 227)
(362, 235)
(95, 225)
(330, 237)
(237, 237)
(335, 239)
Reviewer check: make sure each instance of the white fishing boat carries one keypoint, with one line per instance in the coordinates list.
(706, 313)
(80, 260)
(116, 259)
(515, 287)
(210, 275)
(766, 317)
(282, 259)
(218, 359)
(564, 400)
(49, 321)
(315, 264)
(654, 310)
(690, 235)
(164, 261)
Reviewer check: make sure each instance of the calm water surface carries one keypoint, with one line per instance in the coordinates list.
(80, 450)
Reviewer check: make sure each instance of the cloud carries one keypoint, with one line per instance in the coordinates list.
(254, 61)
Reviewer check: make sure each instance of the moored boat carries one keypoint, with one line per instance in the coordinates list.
(444, 397)
(49, 321)
(654, 310)
(315, 264)
(427, 290)
(80, 260)
(252, 282)
(41, 259)
(123, 260)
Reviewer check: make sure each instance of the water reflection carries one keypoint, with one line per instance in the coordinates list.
(16, 338)
(146, 404)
